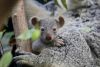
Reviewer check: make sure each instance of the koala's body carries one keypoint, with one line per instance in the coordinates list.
(49, 27)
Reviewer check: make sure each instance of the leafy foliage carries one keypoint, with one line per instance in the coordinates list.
(6, 38)
(45, 0)
(1, 33)
(6, 59)
(33, 34)
(26, 35)
(7, 56)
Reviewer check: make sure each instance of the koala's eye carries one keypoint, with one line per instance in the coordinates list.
(42, 29)
(54, 29)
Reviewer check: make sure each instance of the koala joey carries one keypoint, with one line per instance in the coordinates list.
(49, 27)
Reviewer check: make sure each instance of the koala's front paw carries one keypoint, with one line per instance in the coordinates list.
(59, 42)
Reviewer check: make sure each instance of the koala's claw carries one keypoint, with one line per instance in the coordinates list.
(59, 42)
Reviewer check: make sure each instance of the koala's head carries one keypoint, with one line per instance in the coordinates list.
(48, 26)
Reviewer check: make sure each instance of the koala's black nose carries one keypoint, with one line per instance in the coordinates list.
(48, 37)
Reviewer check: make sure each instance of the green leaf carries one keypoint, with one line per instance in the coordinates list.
(6, 59)
(26, 35)
(46, 1)
(1, 33)
(36, 34)
(64, 3)
(6, 38)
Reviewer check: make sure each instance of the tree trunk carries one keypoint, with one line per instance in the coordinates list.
(20, 25)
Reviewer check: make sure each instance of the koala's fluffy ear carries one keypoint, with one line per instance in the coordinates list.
(35, 22)
(60, 21)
